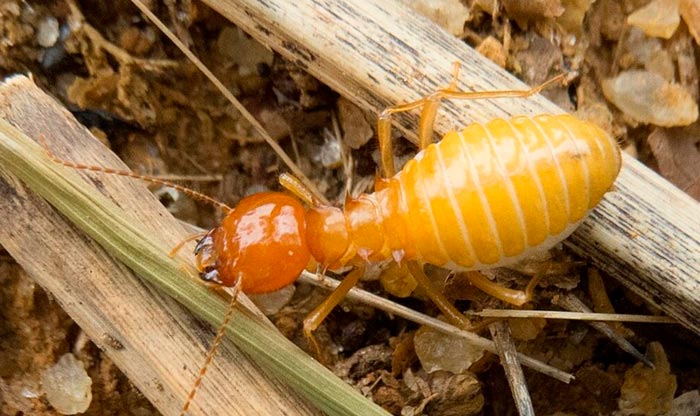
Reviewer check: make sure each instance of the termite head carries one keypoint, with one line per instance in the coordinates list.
(262, 242)
(328, 235)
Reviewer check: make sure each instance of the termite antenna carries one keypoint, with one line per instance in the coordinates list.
(214, 346)
(79, 166)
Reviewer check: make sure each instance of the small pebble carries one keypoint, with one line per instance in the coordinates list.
(356, 130)
(67, 386)
(493, 49)
(47, 33)
(271, 303)
(438, 351)
(397, 280)
(690, 12)
(232, 42)
(660, 18)
(331, 154)
(449, 14)
(687, 404)
(648, 98)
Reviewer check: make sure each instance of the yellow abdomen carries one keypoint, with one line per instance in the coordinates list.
(493, 193)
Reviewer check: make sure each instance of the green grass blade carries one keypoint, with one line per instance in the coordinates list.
(120, 235)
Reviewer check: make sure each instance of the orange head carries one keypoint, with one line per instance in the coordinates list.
(262, 241)
(327, 235)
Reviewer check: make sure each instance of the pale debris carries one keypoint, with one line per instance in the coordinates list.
(67, 386)
(271, 303)
(690, 11)
(648, 391)
(660, 18)
(449, 14)
(639, 50)
(233, 40)
(687, 404)
(647, 98)
(494, 50)
(438, 351)
(574, 13)
(47, 32)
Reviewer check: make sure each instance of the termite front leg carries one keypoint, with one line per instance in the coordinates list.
(316, 317)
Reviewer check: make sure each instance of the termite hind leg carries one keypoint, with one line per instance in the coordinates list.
(453, 93)
(316, 317)
(512, 296)
(429, 106)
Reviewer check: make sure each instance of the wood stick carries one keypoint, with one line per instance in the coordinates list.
(572, 316)
(646, 234)
(570, 302)
(500, 332)
(160, 343)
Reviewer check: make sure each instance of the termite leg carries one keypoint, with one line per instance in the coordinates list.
(512, 296)
(425, 128)
(214, 346)
(429, 106)
(451, 313)
(316, 317)
(453, 93)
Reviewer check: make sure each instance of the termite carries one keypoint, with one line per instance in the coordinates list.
(483, 197)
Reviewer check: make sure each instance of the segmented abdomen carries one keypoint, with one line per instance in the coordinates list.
(493, 193)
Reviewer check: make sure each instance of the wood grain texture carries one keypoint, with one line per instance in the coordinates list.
(159, 345)
(646, 234)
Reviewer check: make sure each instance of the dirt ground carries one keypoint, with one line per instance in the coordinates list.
(638, 80)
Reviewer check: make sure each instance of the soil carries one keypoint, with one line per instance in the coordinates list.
(138, 94)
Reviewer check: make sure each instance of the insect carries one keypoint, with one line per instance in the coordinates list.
(482, 197)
